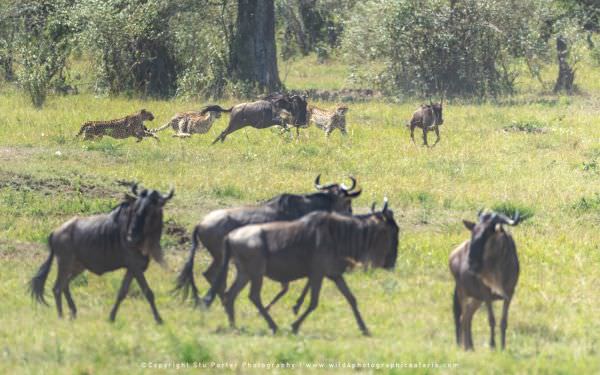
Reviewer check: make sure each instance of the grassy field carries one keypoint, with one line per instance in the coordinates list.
(537, 153)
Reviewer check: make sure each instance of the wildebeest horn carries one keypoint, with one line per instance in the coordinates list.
(346, 188)
(479, 213)
(353, 194)
(502, 219)
(373, 207)
(318, 185)
(134, 187)
(385, 205)
(169, 196)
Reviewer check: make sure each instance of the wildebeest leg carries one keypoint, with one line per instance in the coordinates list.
(76, 269)
(122, 294)
(284, 289)
(504, 322)
(425, 137)
(211, 276)
(62, 278)
(300, 301)
(343, 287)
(152, 135)
(412, 133)
(255, 288)
(492, 321)
(315, 289)
(343, 130)
(240, 282)
(457, 315)
(141, 279)
(230, 129)
(467, 317)
(437, 134)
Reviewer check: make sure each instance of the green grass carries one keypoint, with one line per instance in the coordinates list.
(46, 177)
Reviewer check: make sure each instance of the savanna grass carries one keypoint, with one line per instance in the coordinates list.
(553, 323)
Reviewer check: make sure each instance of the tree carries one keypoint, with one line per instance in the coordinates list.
(254, 56)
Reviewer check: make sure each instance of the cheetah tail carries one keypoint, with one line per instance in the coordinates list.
(161, 128)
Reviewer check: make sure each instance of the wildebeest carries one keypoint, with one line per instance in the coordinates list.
(217, 224)
(428, 117)
(316, 246)
(264, 113)
(125, 238)
(485, 268)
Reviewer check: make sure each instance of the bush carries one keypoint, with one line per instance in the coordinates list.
(464, 48)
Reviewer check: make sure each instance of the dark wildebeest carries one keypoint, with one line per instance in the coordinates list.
(125, 238)
(485, 268)
(428, 117)
(264, 113)
(318, 245)
(216, 225)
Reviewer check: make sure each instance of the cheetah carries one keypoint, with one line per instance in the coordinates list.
(187, 123)
(329, 120)
(129, 126)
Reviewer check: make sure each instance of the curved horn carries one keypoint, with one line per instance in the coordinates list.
(479, 213)
(353, 194)
(385, 205)
(169, 196)
(134, 187)
(373, 207)
(318, 185)
(516, 219)
(346, 188)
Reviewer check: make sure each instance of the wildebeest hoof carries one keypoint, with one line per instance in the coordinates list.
(159, 320)
(366, 333)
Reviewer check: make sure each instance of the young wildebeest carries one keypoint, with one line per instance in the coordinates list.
(428, 117)
(125, 238)
(262, 114)
(316, 246)
(486, 268)
(216, 225)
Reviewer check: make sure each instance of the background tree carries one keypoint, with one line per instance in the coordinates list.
(254, 55)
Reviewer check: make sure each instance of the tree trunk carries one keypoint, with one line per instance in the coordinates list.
(254, 56)
(566, 74)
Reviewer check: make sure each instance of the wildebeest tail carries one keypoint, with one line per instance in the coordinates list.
(185, 280)
(214, 108)
(36, 285)
(212, 292)
(457, 311)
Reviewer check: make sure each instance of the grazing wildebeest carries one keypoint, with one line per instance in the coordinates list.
(125, 238)
(316, 246)
(217, 224)
(264, 113)
(485, 268)
(428, 117)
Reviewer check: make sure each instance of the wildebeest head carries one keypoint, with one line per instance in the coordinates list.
(488, 225)
(295, 104)
(386, 256)
(341, 110)
(146, 220)
(343, 194)
(146, 115)
(436, 110)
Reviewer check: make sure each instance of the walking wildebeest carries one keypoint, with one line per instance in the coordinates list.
(485, 268)
(217, 224)
(264, 113)
(318, 245)
(428, 117)
(125, 238)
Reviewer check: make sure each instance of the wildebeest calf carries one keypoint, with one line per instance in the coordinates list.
(485, 268)
(428, 117)
(125, 238)
(316, 246)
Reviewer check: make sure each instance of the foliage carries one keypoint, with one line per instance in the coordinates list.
(463, 47)
(42, 44)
